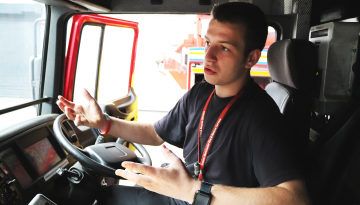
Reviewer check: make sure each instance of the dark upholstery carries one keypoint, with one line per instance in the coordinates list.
(292, 64)
(334, 175)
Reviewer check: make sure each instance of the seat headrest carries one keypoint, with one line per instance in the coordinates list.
(293, 62)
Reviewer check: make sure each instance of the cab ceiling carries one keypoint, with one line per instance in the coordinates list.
(160, 6)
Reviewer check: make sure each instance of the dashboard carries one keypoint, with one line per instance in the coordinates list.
(29, 158)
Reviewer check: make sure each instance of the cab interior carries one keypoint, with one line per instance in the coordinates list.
(314, 77)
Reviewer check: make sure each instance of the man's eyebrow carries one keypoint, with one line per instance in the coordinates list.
(232, 43)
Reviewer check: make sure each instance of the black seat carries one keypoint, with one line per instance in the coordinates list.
(292, 64)
(334, 175)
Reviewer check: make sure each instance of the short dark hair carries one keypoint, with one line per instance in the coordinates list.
(248, 15)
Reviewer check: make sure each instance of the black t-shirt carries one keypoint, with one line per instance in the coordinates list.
(251, 147)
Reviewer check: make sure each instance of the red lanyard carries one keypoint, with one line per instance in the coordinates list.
(212, 134)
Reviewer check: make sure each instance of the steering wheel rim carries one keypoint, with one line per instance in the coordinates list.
(79, 154)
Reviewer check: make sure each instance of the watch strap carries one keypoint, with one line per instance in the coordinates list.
(205, 187)
(203, 195)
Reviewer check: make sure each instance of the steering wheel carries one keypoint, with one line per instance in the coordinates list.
(103, 158)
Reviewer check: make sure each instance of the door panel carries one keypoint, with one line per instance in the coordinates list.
(123, 108)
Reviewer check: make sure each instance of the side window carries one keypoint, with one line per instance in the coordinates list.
(88, 58)
(22, 26)
(115, 63)
(105, 59)
(260, 72)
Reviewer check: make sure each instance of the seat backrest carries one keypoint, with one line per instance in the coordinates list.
(333, 177)
(292, 64)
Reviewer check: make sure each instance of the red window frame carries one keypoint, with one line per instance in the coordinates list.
(74, 41)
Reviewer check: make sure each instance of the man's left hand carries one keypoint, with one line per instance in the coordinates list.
(173, 180)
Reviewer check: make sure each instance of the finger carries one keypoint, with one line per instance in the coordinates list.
(69, 113)
(92, 102)
(140, 168)
(66, 102)
(169, 154)
(136, 178)
(61, 105)
(77, 120)
(87, 95)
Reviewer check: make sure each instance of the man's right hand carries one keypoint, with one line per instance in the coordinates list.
(87, 113)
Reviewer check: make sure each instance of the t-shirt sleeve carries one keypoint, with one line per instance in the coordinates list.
(171, 128)
(275, 156)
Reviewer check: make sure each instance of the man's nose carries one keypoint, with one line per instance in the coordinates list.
(210, 54)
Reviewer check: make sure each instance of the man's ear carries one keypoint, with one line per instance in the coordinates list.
(252, 58)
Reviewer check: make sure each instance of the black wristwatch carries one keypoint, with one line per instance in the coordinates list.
(203, 196)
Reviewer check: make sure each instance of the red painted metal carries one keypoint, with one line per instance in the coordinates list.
(74, 41)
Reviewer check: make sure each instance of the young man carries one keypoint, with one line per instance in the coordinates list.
(235, 147)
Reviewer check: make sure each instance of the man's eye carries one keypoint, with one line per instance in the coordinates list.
(207, 43)
(224, 48)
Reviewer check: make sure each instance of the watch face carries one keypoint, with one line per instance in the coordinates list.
(202, 198)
